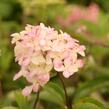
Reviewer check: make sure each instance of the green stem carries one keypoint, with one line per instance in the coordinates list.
(1, 93)
(66, 96)
(36, 100)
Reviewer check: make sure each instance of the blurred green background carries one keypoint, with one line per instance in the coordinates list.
(86, 20)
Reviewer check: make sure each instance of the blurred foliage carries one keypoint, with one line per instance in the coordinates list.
(89, 103)
(54, 90)
(88, 89)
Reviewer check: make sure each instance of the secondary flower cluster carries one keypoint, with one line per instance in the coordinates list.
(77, 13)
(39, 49)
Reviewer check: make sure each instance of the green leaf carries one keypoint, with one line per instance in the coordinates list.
(88, 103)
(6, 55)
(9, 107)
(7, 7)
(53, 93)
(90, 86)
(21, 100)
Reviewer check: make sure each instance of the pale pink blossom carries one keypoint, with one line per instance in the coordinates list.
(77, 13)
(39, 49)
(92, 13)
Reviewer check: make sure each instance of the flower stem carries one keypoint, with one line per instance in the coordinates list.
(1, 92)
(66, 96)
(36, 100)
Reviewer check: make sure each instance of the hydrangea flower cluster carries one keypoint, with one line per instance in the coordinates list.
(78, 13)
(39, 49)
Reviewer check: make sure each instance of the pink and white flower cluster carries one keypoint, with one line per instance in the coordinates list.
(77, 13)
(39, 49)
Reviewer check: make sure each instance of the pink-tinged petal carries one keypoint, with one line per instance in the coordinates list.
(81, 49)
(26, 62)
(15, 34)
(71, 58)
(42, 42)
(42, 25)
(43, 79)
(67, 61)
(28, 27)
(18, 75)
(51, 54)
(32, 74)
(80, 63)
(23, 33)
(49, 64)
(35, 88)
(58, 65)
(38, 59)
(27, 90)
(31, 31)
(16, 37)
(70, 69)
(66, 74)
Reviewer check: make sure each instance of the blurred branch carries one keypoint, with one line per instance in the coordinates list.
(96, 42)
(91, 40)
